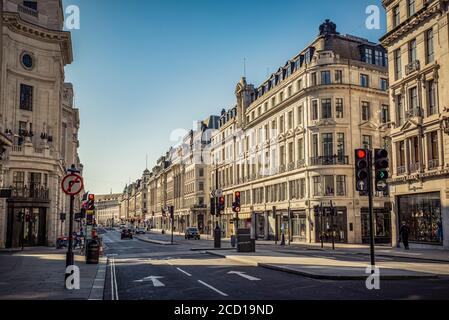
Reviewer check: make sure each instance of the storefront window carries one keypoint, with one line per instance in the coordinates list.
(422, 214)
(299, 226)
(382, 225)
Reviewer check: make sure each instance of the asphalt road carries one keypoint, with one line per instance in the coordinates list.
(139, 270)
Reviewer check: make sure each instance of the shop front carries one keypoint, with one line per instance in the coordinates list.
(422, 214)
(31, 230)
(338, 225)
(260, 224)
(299, 226)
(382, 226)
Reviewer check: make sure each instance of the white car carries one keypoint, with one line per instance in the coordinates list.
(140, 230)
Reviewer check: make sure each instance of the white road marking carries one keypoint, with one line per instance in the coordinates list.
(186, 273)
(244, 275)
(210, 287)
(114, 289)
(154, 279)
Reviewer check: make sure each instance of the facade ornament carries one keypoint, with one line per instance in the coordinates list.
(328, 28)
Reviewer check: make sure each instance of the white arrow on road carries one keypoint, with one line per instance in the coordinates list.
(154, 279)
(244, 275)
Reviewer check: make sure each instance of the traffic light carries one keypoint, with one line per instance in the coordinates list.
(212, 206)
(381, 168)
(236, 207)
(91, 202)
(221, 205)
(361, 169)
(172, 212)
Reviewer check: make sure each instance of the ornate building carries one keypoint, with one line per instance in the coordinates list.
(38, 119)
(288, 144)
(108, 209)
(417, 40)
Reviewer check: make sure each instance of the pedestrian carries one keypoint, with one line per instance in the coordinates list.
(404, 233)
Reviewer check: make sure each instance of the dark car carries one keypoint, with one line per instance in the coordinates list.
(126, 234)
(192, 233)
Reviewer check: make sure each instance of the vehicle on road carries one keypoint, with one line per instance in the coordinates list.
(140, 231)
(192, 233)
(126, 234)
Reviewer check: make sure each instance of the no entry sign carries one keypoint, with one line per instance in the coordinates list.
(72, 184)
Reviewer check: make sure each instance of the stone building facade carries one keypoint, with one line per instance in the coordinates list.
(417, 40)
(38, 118)
(108, 209)
(288, 145)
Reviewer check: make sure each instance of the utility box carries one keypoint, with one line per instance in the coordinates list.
(244, 241)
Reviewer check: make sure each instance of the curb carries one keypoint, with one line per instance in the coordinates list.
(163, 243)
(98, 287)
(210, 249)
(233, 258)
(338, 277)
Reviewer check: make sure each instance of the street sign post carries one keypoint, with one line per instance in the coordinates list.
(72, 184)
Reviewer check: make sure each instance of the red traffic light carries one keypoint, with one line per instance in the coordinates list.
(91, 197)
(361, 154)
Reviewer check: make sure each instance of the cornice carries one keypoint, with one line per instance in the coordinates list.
(411, 23)
(16, 24)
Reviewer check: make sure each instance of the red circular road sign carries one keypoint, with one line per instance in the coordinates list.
(72, 184)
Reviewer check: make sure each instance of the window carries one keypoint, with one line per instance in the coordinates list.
(434, 149)
(317, 186)
(315, 146)
(299, 84)
(291, 154)
(302, 188)
(281, 96)
(289, 91)
(301, 149)
(328, 144)
(329, 186)
(26, 97)
(300, 115)
(385, 114)
(396, 16)
(413, 98)
(315, 110)
(399, 111)
(273, 101)
(431, 98)
(281, 124)
(383, 84)
(366, 112)
(341, 186)
(313, 79)
(379, 58)
(397, 64)
(338, 76)
(18, 180)
(30, 4)
(290, 120)
(369, 55)
(339, 108)
(326, 108)
(367, 142)
(364, 80)
(341, 146)
(282, 155)
(411, 9)
(325, 77)
(401, 157)
(430, 54)
(201, 186)
(412, 51)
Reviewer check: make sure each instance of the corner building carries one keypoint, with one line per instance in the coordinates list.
(288, 145)
(417, 40)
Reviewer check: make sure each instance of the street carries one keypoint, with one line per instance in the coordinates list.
(139, 270)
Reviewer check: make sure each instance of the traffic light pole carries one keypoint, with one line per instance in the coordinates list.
(371, 213)
(333, 226)
(322, 225)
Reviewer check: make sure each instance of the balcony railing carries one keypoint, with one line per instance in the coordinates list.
(415, 112)
(329, 160)
(291, 166)
(30, 192)
(434, 164)
(412, 67)
(414, 167)
(401, 170)
(29, 11)
(301, 164)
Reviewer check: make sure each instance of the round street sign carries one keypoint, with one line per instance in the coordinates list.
(72, 184)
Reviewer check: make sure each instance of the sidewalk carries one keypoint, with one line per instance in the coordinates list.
(38, 274)
(333, 266)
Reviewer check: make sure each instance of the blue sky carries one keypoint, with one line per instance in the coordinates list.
(143, 68)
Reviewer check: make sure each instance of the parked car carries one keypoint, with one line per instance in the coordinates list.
(140, 230)
(192, 233)
(126, 234)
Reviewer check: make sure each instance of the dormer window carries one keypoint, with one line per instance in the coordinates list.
(30, 4)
